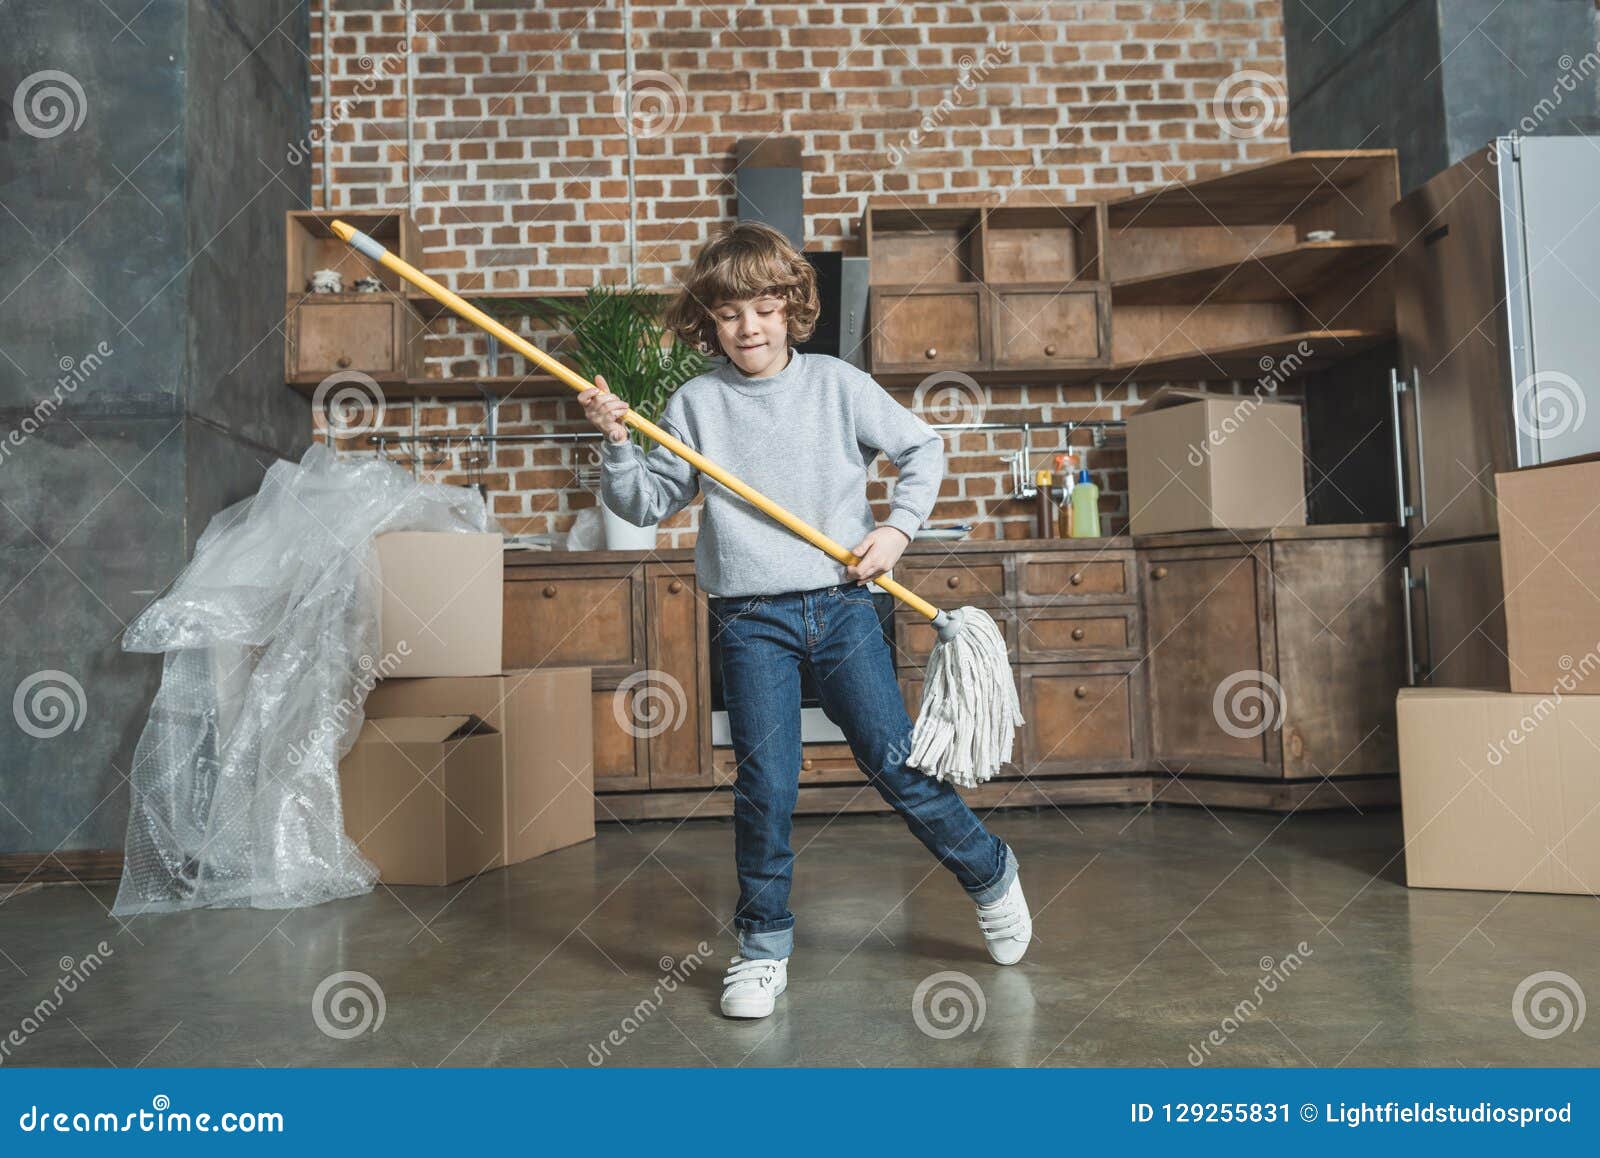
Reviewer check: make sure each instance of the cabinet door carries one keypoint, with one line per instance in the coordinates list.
(1081, 718)
(671, 709)
(621, 759)
(1047, 326)
(365, 336)
(920, 330)
(575, 617)
(1214, 706)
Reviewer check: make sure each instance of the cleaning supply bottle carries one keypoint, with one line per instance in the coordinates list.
(1085, 508)
(1067, 472)
(1044, 517)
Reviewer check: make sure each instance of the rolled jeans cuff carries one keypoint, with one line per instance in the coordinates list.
(768, 943)
(996, 888)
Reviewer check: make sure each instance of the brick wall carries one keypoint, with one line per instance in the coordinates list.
(512, 151)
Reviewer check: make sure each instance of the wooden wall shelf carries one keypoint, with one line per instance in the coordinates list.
(1001, 291)
(1251, 360)
(1293, 273)
(1200, 280)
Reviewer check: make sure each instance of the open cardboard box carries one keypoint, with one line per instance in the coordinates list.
(423, 797)
(1499, 791)
(1197, 461)
(1550, 561)
(543, 725)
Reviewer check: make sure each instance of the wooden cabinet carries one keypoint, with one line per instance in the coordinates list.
(588, 616)
(376, 335)
(1262, 666)
(985, 289)
(1049, 327)
(673, 706)
(1277, 657)
(1208, 615)
(925, 328)
(360, 333)
(1083, 718)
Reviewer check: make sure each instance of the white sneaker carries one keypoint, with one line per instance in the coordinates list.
(751, 988)
(1007, 927)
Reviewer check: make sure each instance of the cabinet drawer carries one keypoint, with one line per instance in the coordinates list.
(981, 582)
(819, 764)
(1081, 718)
(914, 636)
(366, 337)
(929, 328)
(1049, 577)
(588, 620)
(1047, 326)
(1051, 634)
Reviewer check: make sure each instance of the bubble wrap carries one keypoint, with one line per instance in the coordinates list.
(271, 637)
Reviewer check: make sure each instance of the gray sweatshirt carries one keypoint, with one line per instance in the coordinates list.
(804, 438)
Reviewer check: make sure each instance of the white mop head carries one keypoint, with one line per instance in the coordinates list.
(969, 704)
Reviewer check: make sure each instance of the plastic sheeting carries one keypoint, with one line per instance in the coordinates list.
(271, 635)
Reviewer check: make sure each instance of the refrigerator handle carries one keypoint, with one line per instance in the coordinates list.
(1422, 462)
(1425, 671)
(1411, 643)
(1397, 387)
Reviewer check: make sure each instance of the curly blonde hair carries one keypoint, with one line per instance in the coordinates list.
(747, 261)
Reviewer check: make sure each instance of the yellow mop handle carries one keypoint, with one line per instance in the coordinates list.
(578, 382)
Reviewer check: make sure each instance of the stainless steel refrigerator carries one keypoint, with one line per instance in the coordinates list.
(1497, 307)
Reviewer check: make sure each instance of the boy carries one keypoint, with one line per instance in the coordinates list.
(802, 429)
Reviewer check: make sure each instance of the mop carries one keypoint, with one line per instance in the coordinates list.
(969, 708)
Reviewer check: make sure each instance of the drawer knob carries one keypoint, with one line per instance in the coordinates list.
(549, 593)
(1050, 351)
(1077, 579)
(675, 586)
(805, 765)
(930, 353)
(1159, 573)
(1077, 633)
(343, 362)
(1081, 691)
(953, 582)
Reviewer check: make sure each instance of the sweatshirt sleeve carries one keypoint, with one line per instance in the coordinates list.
(647, 487)
(882, 424)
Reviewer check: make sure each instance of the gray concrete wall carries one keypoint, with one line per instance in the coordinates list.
(141, 383)
(1436, 79)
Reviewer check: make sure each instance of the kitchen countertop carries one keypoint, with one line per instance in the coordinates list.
(935, 549)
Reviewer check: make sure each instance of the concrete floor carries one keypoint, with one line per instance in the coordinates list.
(1153, 925)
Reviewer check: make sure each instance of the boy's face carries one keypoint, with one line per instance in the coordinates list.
(754, 333)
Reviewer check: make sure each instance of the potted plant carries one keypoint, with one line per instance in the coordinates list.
(619, 334)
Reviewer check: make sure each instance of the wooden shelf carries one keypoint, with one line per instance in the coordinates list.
(1271, 191)
(1245, 360)
(509, 387)
(1284, 274)
(429, 307)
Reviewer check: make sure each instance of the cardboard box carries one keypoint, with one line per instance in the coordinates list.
(443, 602)
(1550, 560)
(1499, 790)
(1198, 461)
(422, 797)
(545, 726)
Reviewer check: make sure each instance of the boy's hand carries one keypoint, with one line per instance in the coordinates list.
(877, 553)
(605, 409)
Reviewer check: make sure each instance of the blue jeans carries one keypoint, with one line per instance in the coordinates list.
(836, 631)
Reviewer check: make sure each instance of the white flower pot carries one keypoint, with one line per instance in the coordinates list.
(622, 535)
